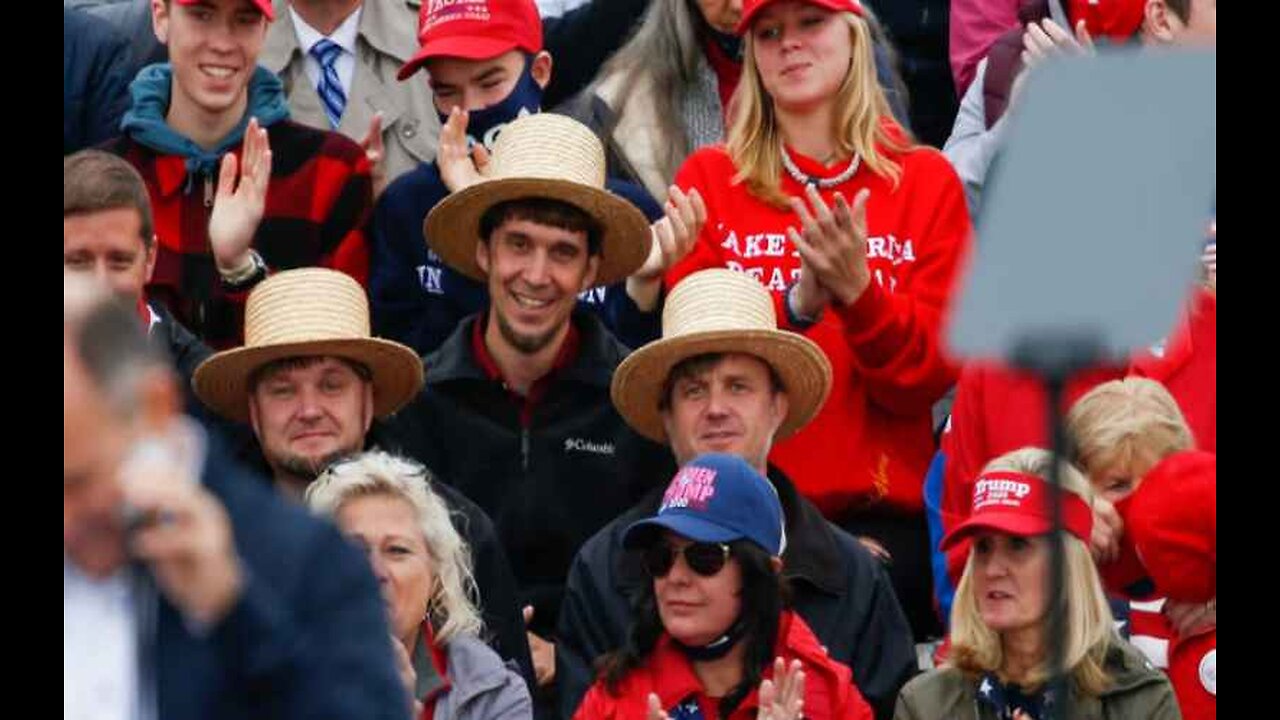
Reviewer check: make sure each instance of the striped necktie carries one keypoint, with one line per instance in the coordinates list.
(326, 52)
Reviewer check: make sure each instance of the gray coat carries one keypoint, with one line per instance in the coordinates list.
(480, 686)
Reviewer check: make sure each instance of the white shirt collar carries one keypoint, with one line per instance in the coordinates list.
(344, 35)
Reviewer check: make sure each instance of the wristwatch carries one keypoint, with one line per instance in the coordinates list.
(252, 272)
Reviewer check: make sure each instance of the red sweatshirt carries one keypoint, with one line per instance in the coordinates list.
(872, 440)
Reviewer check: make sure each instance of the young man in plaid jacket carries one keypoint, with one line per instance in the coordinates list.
(236, 187)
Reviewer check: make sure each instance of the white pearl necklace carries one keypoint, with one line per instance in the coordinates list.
(821, 183)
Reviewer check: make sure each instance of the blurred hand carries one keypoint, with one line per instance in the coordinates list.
(673, 236)
(1044, 40)
(375, 151)
(543, 652)
(404, 666)
(1191, 618)
(783, 700)
(1108, 527)
(655, 709)
(238, 206)
(832, 246)
(188, 543)
(460, 166)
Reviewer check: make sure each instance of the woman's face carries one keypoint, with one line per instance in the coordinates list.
(696, 609)
(387, 528)
(803, 53)
(1118, 480)
(1009, 576)
(723, 15)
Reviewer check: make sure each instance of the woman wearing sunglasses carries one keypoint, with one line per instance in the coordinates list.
(712, 636)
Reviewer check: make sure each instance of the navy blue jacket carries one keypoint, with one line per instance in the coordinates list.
(95, 80)
(417, 300)
(308, 637)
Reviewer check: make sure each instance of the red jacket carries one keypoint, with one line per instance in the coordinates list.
(873, 439)
(829, 692)
(998, 410)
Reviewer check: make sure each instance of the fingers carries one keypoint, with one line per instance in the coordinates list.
(480, 155)
(822, 213)
(372, 140)
(527, 611)
(1083, 37)
(227, 175)
(655, 708)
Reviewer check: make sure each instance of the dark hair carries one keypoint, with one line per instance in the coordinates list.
(298, 362)
(115, 351)
(93, 181)
(1181, 8)
(544, 211)
(696, 365)
(764, 596)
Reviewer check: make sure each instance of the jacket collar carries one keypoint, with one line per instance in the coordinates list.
(376, 28)
(812, 554)
(598, 354)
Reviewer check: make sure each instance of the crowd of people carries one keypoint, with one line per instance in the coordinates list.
(500, 359)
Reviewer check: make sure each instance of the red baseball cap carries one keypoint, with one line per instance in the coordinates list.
(1115, 19)
(262, 5)
(751, 7)
(1173, 518)
(474, 30)
(1018, 504)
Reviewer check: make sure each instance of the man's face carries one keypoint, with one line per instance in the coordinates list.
(474, 84)
(730, 407)
(108, 245)
(307, 416)
(94, 443)
(535, 274)
(213, 47)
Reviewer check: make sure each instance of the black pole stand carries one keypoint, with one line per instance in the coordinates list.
(1055, 356)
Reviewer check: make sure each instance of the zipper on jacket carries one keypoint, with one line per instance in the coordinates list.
(524, 448)
(208, 191)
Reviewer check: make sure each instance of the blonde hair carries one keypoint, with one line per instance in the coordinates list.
(755, 141)
(1120, 421)
(976, 648)
(452, 607)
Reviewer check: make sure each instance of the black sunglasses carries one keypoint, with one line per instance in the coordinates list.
(705, 559)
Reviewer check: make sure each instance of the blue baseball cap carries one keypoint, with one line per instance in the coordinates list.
(717, 498)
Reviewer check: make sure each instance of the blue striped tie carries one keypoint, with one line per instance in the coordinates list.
(326, 52)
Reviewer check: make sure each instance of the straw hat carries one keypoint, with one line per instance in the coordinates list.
(311, 311)
(720, 311)
(551, 156)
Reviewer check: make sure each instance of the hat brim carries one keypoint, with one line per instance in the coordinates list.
(222, 381)
(452, 228)
(694, 528)
(468, 48)
(1018, 524)
(744, 22)
(803, 367)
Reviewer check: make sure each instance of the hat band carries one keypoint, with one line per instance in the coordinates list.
(1001, 491)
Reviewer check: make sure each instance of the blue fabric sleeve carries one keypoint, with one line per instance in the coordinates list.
(943, 591)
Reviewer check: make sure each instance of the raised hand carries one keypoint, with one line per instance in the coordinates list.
(672, 237)
(238, 206)
(1104, 543)
(783, 700)
(460, 166)
(832, 246)
(543, 652)
(376, 152)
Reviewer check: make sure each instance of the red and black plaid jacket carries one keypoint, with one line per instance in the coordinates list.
(318, 201)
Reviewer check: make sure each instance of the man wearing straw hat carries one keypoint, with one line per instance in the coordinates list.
(517, 413)
(723, 378)
(311, 382)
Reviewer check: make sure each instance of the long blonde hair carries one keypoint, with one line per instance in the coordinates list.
(755, 140)
(976, 648)
(452, 607)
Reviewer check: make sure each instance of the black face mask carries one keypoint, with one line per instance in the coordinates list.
(485, 124)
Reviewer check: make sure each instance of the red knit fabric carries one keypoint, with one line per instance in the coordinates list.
(872, 441)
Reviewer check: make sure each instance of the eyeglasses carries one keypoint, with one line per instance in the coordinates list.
(705, 559)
